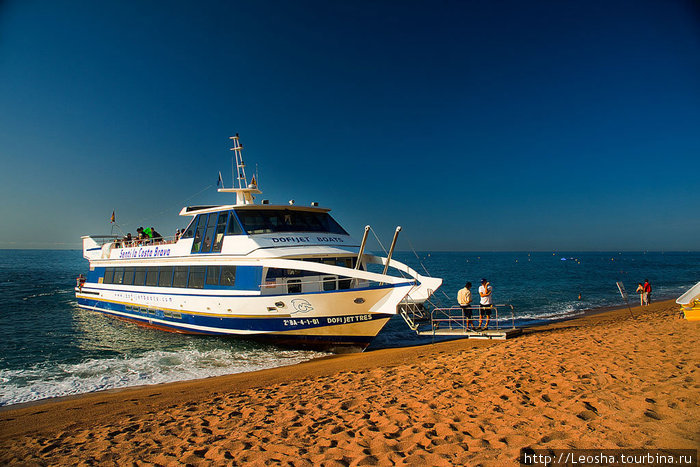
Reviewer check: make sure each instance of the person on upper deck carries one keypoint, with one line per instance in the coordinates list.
(141, 236)
(127, 240)
(156, 236)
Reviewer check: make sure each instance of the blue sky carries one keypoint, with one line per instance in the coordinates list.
(476, 125)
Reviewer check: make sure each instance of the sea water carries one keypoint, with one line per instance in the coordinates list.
(49, 347)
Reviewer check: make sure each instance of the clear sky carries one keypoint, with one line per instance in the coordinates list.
(476, 125)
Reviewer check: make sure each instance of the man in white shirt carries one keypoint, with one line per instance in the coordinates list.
(464, 298)
(485, 304)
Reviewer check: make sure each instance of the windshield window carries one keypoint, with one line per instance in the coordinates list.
(286, 220)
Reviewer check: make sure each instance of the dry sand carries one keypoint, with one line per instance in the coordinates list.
(603, 381)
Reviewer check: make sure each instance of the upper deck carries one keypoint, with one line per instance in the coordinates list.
(250, 230)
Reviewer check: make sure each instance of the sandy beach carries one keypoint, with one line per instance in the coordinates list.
(602, 381)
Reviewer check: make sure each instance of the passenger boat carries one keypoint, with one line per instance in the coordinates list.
(288, 274)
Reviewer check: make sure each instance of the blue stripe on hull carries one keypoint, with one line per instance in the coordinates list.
(248, 326)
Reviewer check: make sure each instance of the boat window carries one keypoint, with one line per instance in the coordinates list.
(109, 276)
(208, 235)
(329, 283)
(152, 276)
(234, 228)
(287, 220)
(118, 275)
(228, 276)
(213, 275)
(343, 262)
(274, 273)
(129, 276)
(180, 276)
(139, 276)
(196, 280)
(344, 284)
(189, 231)
(294, 286)
(166, 276)
(199, 232)
(220, 230)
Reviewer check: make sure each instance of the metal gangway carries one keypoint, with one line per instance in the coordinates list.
(453, 322)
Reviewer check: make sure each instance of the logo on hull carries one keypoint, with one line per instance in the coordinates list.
(301, 306)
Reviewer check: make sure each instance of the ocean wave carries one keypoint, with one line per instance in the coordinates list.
(47, 294)
(152, 367)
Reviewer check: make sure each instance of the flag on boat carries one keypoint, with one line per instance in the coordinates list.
(113, 218)
(220, 181)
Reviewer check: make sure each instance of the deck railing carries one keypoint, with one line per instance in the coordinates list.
(119, 242)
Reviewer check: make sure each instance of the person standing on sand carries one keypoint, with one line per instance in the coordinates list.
(464, 298)
(647, 292)
(640, 291)
(485, 304)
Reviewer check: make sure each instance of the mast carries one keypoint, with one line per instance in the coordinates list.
(240, 165)
(244, 191)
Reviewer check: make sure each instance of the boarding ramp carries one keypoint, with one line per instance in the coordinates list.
(453, 322)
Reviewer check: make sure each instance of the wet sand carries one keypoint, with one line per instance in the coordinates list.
(602, 381)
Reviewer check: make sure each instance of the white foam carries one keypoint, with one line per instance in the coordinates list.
(153, 367)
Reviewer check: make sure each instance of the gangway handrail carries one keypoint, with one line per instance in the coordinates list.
(463, 322)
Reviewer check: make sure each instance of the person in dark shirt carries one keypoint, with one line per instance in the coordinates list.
(156, 236)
